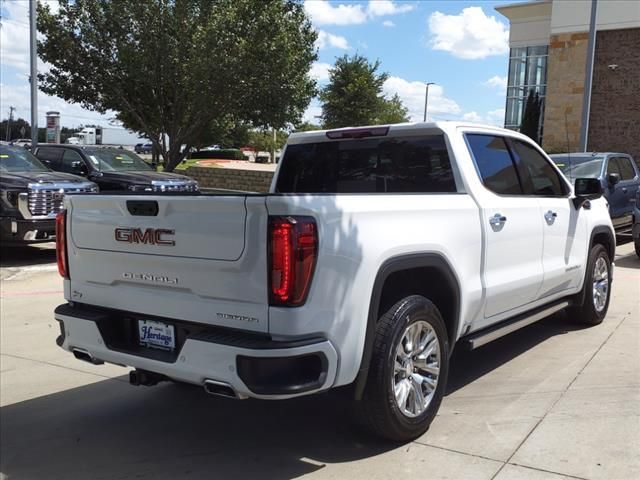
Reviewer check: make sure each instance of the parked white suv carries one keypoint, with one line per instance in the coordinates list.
(377, 251)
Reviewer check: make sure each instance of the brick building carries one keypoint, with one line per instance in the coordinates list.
(548, 40)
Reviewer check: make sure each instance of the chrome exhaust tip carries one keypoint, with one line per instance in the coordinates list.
(84, 355)
(222, 389)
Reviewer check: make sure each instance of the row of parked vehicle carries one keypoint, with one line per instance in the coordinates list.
(33, 184)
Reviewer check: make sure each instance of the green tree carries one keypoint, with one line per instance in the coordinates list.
(13, 130)
(173, 68)
(352, 95)
(306, 127)
(530, 125)
(262, 140)
(392, 111)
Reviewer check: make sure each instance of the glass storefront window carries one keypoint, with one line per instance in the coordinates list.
(527, 72)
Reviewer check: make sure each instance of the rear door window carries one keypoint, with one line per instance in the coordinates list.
(494, 163)
(373, 165)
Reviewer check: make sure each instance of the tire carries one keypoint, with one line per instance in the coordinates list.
(380, 410)
(636, 243)
(592, 311)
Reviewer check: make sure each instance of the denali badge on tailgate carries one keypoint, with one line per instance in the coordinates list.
(150, 236)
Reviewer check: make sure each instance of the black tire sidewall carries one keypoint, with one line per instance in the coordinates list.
(415, 309)
(589, 312)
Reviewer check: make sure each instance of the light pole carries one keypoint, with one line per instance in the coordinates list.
(426, 100)
(34, 74)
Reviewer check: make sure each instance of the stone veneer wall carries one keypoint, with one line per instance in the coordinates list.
(614, 119)
(566, 67)
(231, 179)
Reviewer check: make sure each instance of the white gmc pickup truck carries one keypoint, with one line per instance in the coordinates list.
(377, 251)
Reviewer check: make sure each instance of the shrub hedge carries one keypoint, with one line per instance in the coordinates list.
(224, 154)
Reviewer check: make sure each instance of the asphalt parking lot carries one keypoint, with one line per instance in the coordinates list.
(551, 401)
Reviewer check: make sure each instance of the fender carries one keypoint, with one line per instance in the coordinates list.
(393, 265)
(578, 299)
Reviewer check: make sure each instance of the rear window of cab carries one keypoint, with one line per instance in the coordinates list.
(371, 165)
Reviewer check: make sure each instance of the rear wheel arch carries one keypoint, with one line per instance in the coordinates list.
(400, 277)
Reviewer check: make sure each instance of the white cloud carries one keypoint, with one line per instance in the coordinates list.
(18, 96)
(320, 71)
(493, 117)
(497, 82)
(14, 50)
(380, 8)
(14, 35)
(326, 39)
(324, 13)
(470, 35)
(313, 112)
(15, 89)
(472, 117)
(388, 24)
(412, 96)
(496, 117)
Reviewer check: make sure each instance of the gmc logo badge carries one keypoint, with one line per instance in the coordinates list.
(150, 236)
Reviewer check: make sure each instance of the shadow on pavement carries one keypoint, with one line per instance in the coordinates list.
(627, 261)
(110, 429)
(467, 366)
(29, 255)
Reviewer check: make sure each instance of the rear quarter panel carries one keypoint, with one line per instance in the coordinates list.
(357, 234)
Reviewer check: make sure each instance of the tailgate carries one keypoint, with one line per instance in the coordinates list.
(195, 258)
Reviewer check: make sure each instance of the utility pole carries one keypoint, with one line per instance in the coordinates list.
(273, 149)
(34, 73)
(426, 100)
(586, 100)
(8, 135)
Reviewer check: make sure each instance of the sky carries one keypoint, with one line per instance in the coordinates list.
(459, 45)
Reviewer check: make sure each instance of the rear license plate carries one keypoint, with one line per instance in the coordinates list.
(156, 335)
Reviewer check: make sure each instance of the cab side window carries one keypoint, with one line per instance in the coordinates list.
(51, 157)
(494, 163)
(72, 162)
(613, 166)
(626, 169)
(537, 174)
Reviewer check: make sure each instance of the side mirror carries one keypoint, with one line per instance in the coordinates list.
(586, 189)
(79, 168)
(613, 179)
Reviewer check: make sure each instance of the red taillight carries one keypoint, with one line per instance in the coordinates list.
(61, 244)
(293, 246)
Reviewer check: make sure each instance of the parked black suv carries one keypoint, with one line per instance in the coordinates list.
(112, 169)
(31, 196)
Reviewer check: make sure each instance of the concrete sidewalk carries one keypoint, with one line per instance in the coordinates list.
(551, 401)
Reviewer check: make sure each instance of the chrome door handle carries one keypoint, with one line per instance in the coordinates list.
(497, 219)
(550, 217)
